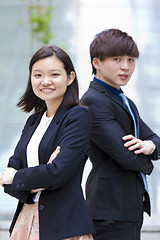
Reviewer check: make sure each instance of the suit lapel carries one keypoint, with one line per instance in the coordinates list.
(109, 94)
(133, 107)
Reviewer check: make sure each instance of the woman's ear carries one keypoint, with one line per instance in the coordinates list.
(71, 78)
(95, 63)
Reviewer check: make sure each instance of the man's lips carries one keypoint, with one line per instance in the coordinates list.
(47, 90)
(123, 76)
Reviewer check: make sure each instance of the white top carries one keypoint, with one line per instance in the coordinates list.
(33, 145)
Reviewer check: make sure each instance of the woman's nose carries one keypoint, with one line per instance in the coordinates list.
(46, 81)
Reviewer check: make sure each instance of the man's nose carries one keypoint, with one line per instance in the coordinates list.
(125, 65)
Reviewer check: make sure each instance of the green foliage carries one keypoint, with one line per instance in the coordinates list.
(40, 19)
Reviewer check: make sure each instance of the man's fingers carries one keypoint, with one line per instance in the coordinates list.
(128, 137)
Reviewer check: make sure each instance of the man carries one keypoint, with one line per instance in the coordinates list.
(121, 144)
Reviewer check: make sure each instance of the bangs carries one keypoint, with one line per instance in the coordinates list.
(120, 48)
(113, 43)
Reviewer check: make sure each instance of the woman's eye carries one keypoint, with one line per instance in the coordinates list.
(54, 75)
(37, 75)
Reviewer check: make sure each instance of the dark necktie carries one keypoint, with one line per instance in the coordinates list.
(125, 101)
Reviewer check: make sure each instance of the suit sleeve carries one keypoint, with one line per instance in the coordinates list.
(107, 135)
(74, 143)
(148, 134)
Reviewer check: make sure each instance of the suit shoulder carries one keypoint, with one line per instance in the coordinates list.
(96, 99)
(91, 96)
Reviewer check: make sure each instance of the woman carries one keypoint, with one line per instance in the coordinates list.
(45, 178)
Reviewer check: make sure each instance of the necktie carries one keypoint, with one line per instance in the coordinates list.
(125, 101)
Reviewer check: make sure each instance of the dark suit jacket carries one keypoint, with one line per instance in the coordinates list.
(114, 188)
(63, 211)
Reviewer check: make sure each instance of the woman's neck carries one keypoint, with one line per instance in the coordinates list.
(52, 108)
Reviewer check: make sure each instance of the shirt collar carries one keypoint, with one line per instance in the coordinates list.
(115, 91)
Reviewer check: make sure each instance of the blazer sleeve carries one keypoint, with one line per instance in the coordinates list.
(14, 162)
(107, 134)
(74, 143)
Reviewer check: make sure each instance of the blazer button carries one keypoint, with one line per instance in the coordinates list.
(41, 207)
(17, 186)
(23, 185)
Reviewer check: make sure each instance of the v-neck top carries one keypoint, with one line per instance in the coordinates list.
(33, 145)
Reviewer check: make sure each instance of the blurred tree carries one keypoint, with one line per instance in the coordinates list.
(40, 18)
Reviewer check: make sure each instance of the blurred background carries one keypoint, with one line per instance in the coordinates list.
(26, 25)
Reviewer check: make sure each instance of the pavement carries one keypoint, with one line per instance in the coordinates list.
(148, 232)
(150, 229)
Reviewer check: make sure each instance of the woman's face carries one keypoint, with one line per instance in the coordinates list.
(49, 80)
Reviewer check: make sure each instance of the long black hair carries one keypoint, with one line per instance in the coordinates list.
(29, 101)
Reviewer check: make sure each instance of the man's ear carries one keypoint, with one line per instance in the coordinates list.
(71, 78)
(95, 63)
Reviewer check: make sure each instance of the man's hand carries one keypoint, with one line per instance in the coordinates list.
(138, 146)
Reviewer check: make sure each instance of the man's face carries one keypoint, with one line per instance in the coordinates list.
(115, 71)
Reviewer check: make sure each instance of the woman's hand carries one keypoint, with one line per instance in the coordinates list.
(37, 190)
(138, 146)
(9, 173)
(7, 176)
(54, 154)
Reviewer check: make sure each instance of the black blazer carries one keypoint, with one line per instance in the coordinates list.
(63, 212)
(114, 189)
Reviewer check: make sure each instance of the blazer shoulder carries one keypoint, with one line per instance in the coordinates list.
(31, 120)
(33, 117)
(79, 111)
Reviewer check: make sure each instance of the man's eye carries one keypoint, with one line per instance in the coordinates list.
(131, 60)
